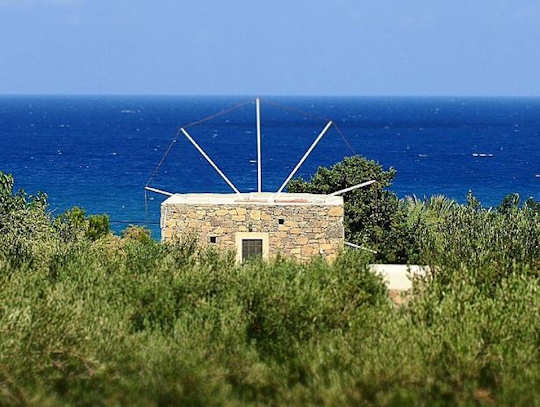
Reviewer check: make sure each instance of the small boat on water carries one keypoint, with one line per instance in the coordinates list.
(482, 155)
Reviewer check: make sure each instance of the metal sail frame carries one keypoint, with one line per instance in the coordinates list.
(259, 160)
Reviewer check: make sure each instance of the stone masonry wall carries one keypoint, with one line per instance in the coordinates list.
(308, 230)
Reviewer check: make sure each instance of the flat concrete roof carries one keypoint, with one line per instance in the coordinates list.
(397, 276)
(254, 198)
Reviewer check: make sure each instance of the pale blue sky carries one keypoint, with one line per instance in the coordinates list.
(331, 47)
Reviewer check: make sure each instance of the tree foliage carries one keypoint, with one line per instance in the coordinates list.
(434, 230)
(28, 232)
(372, 214)
(88, 318)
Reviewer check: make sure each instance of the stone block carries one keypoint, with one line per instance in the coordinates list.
(266, 216)
(255, 214)
(336, 211)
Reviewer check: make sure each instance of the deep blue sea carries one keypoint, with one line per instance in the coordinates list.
(98, 152)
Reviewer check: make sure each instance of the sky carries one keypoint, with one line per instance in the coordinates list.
(274, 47)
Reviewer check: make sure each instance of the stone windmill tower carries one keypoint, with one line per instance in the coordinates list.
(258, 224)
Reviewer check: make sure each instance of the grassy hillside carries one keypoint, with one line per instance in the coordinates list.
(88, 318)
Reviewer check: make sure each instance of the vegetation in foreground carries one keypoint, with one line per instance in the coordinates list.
(88, 318)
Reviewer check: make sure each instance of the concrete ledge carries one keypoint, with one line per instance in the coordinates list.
(397, 276)
(255, 198)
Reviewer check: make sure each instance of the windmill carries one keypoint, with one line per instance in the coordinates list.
(257, 223)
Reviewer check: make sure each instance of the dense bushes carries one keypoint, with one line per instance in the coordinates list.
(108, 320)
(436, 230)
(452, 236)
(199, 330)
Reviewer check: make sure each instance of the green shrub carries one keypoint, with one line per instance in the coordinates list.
(436, 230)
(277, 333)
(98, 227)
(137, 233)
(95, 319)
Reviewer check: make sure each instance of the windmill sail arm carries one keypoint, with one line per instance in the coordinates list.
(308, 152)
(363, 184)
(158, 191)
(355, 246)
(207, 158)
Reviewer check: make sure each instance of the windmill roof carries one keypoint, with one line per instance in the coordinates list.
(254, 198)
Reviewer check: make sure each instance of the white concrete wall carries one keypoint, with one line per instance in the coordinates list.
(398, 276)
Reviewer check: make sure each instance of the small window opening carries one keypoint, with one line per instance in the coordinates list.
(213, 239)
(251, 248)
(281, 221)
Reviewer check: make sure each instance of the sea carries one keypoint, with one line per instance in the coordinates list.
(99, 152)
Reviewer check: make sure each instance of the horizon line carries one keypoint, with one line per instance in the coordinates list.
(271, 95)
